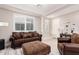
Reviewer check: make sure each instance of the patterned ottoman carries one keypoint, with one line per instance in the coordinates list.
(36, 48)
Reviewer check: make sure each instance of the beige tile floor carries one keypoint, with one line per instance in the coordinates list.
(50, 41)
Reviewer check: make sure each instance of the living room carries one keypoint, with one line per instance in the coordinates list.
(42, 25)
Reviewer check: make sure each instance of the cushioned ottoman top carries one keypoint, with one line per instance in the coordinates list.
(35, 47)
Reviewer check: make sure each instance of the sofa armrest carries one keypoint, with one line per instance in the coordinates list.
(40, 36)
(11, 38)
(71, 48)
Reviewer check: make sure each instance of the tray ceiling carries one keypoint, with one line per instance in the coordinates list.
(50, 10)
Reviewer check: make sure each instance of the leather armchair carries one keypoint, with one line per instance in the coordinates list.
(71, 48)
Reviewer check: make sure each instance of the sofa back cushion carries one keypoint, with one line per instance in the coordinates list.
(35, 34)
(16, 35)
(21, 33)
(27, 35)
(75, 38)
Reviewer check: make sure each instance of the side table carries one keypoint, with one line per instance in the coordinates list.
(2, 44)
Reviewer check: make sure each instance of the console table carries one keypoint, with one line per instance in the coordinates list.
(66, 40)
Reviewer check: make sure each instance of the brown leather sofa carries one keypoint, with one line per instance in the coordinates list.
(18, 38)
(71, 48)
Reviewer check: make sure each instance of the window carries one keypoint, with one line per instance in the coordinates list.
(29, 24)
(19, 27)
(23, 23)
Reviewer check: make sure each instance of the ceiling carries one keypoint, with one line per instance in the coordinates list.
(70, 9)
(43, 9)
(50, 10)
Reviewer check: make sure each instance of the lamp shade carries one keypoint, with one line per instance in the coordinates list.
(3, 24)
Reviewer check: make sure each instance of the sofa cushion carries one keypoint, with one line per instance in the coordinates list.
(31, 39)
(16, 35)
(35, 38)
(22, 33)
(27, 35)
(75, 38)
(19, 42)
(35, 34)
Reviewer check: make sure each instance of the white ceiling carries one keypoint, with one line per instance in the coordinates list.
(50, 10)
(65, 11)
(42, 10)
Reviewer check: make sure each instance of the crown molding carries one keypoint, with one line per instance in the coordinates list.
(20, 11)
(59, 9)
(71, 13)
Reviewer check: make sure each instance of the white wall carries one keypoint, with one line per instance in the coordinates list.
(37, 24)
(19, 18)
(7, 16)
(5, 32)
(69, 19)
